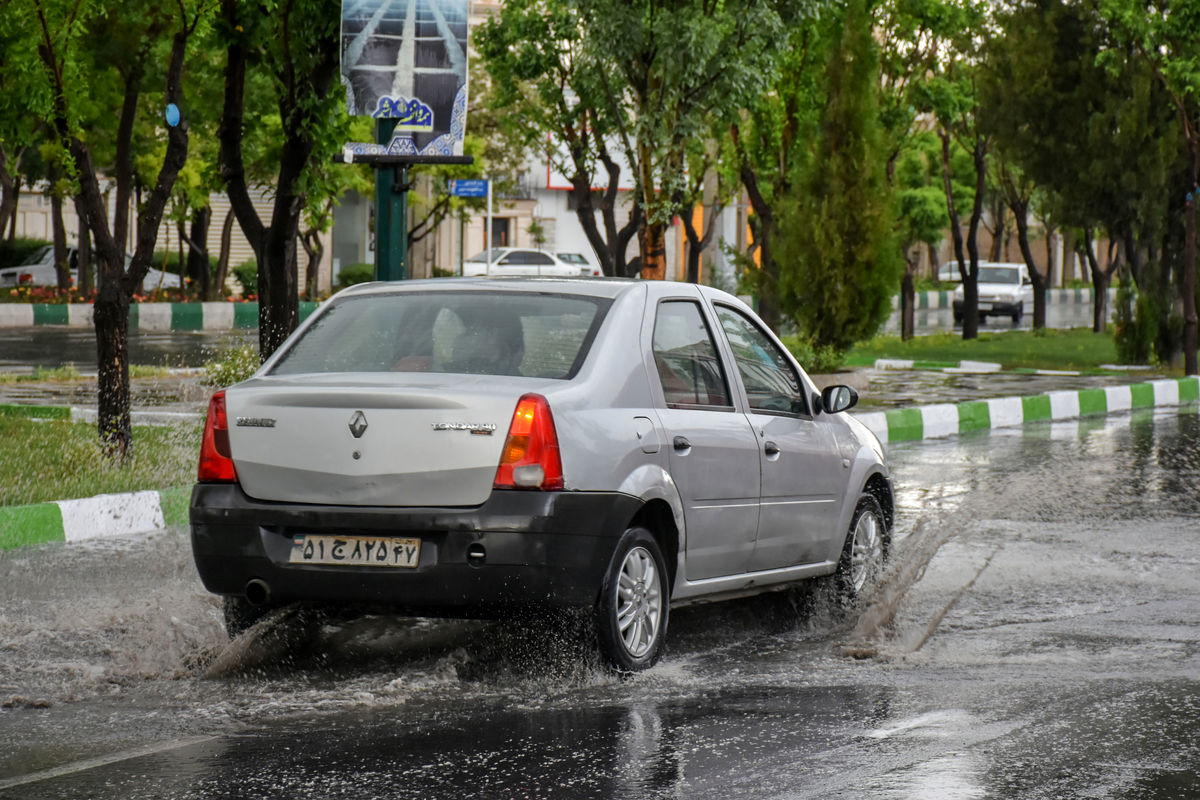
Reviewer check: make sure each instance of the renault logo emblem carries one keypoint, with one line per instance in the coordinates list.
(358, 424)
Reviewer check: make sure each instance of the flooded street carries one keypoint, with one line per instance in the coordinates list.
(1038, 636)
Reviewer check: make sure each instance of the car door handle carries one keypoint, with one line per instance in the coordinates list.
(681, 443)
(770, 448)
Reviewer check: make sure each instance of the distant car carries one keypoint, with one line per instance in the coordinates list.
(515, 261)
(38, 270)
(1003, 292)
(481, 447)
(585, 266)
(948, 273)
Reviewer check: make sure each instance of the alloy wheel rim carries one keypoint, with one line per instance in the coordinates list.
(639, 602)
(867, 551)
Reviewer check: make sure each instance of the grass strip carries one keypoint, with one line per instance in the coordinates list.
(43, 460)
(1073, 349)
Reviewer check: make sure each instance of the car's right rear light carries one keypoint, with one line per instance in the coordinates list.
(216, 462)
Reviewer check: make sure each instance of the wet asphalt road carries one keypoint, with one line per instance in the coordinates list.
(1037, 637)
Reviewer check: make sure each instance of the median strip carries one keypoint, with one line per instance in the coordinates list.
(100, 517)
(948, 419)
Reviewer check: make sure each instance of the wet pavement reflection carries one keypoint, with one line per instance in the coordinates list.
(1037, 636)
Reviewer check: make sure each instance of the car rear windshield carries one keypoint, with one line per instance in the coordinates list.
(481, 333)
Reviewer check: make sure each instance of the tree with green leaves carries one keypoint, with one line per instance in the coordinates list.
(127, 44)
(921, 214)
(286, 56)
(1167, 40)
(544, 74)
(835, 235)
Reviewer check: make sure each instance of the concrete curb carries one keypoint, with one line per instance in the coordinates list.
(143, 316)
(928, 301)
(100, 517)
(90, 415)
(139, 512)
(949, 419)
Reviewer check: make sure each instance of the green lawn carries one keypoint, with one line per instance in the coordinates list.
(1074, 349)
(55, 459)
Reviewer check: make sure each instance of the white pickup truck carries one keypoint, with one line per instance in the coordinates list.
(1003, 291)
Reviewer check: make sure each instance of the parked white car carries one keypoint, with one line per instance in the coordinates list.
(38, 270)
(1003, 291)
(508, 261)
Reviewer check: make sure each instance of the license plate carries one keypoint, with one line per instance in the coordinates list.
(985, 306)
(357, 551)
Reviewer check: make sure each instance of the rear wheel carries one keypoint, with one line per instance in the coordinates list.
(864, 553)
(631, 614)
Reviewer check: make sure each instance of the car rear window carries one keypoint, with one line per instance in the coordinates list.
(479, 333)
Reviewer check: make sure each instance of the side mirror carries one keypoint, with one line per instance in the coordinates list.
(836, 399)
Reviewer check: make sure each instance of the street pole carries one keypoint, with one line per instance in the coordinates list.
(391, 213)
(487, 245)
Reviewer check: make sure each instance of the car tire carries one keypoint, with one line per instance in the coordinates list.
(864, 554)
(958, 319)
(240, 614)
(634, 604)
(1016, 315)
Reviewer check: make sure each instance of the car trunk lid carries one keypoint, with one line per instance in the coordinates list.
(371, 440)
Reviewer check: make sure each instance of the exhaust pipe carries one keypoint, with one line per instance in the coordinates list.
(257, 592)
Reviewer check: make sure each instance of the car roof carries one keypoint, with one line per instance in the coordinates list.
(583, 286)
(600, 287)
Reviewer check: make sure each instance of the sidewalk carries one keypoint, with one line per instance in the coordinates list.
(139, 512)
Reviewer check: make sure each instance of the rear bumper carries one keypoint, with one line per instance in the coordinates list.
(541, 549)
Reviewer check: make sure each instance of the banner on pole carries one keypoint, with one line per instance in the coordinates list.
(406, 60)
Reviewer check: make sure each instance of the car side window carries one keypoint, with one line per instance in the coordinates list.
(772, 383)
(685, 356)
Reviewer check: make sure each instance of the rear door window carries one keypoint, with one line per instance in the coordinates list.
(685, 356)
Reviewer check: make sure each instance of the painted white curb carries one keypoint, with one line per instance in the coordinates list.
(110, 515)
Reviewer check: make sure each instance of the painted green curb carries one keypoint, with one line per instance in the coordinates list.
(25, 525)
(34, 412)
(196, 316)
(926, 422)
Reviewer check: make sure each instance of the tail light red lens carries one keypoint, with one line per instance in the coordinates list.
(216, 462)
(531, 459)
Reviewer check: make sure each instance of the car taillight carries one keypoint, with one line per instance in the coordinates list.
(216, 462)
(530, 459)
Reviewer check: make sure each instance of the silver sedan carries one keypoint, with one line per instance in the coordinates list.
(481, 447)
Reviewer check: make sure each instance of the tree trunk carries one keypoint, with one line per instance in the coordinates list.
(697, 244)
(10, 188)
(1189, 267)
(62, 269)
(1100, 280)
(110, 313)
(1019, 210)
(86, 279)
(768, 272)
(969, 275)
(314, 249)
(197, 257)
(652, 247)
(908, 326)
(217, 291)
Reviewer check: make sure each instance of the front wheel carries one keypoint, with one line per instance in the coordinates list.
(864, 553)
(634, 603)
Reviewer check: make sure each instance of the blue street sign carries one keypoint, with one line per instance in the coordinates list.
(475, 187)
